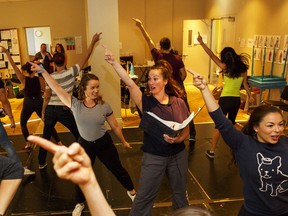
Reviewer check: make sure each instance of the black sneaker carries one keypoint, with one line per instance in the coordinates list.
(210, 154)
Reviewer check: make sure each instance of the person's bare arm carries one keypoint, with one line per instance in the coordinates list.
(117, 130)
(95, 39)
(247, 89)
(145, 33)
(64, 96)
(211, 54)
(18, 73)
(134, 90)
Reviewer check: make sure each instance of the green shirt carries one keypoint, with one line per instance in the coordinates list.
(232, 86)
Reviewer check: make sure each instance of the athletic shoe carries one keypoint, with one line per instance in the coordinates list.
(28, 172)
(210, 154)
(132, 197)
(78, 209)
(42, 166)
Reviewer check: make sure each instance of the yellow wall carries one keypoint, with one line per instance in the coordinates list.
(160, 18)
(65, 18)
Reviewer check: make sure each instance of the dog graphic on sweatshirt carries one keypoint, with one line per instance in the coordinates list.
(271, 176)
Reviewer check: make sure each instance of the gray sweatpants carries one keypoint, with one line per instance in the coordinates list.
(152, 172)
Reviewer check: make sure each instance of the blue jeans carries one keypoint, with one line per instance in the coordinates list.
(7, 145)
(53, 114)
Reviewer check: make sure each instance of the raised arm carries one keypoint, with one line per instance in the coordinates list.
(210, 53)
(95, 39)
(246, 87)
(134, 90)
(73, 164)
(18, 73)
(145, 33)
(61, 93)
(201, 83)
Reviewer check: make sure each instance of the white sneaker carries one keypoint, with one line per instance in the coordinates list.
(132, 197)
(78, 209)
(28, 172)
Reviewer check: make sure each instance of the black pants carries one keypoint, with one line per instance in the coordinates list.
(105, 150)
(191, 124)
(53, 114)
(31, 105)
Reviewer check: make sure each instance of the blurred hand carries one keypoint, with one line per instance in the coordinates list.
(138, 22)
(70, 163)
(126, 145)
(198, 80)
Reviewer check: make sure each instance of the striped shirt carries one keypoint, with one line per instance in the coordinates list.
(66, 79)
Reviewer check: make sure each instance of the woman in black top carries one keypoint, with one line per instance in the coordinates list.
(33, 101)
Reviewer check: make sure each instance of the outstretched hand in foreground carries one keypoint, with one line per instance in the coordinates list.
(72, 163)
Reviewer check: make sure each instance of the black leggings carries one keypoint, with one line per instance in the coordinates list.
(31, 105)
(230, 106)
(105, 150)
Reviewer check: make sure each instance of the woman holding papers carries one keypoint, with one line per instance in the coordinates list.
(260, 153)
(164, 156)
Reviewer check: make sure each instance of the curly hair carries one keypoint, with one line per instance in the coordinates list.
(83, 84)
(235, 64)
(172, 88)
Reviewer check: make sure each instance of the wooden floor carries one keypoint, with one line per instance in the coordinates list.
(129, 119)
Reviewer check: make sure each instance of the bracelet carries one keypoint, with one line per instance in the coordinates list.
(42, 70)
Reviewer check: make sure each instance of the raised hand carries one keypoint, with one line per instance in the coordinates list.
(70, 163)
(199, 38)
(108, 55)
(138, 22)
(198, 80)
(96, 37)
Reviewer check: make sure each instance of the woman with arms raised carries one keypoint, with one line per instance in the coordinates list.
(261, 153)
(91, 112)
(161, 157)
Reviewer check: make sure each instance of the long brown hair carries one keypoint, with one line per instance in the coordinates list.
(83, 84)
(172, 88)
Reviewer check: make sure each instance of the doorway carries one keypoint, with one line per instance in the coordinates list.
(35, 36)
(216, 33)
